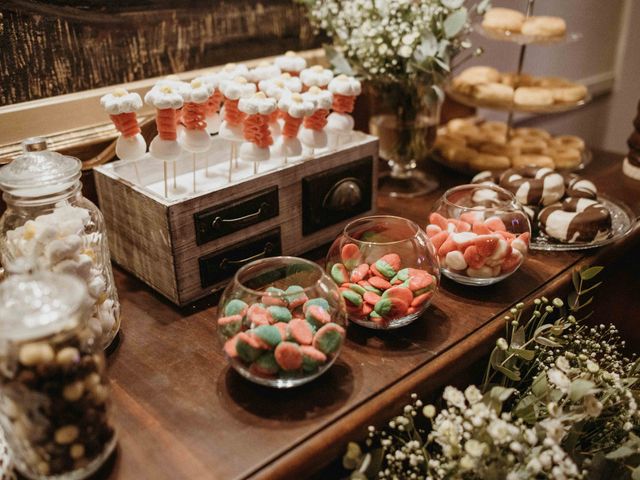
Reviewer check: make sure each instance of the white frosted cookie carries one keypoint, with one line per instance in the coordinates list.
(533, 96)
(544, 27)
(503, 19)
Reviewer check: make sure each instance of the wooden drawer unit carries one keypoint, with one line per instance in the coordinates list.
(189, 247)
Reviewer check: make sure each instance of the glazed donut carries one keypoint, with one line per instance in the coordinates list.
(446, 139)
(494, 128)
(503, 19)
(530, 144)
(544, 27)
(499, 149)
(578, 187)
(568, 141)
(565, 157)
(576, 220)
(485, 161)
(533, 186)
(493, 92)
(533, 160)
(532, 132)
(479, 74)
(532, 97)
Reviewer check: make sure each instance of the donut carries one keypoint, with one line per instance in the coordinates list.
(503, 19)
(568, 94)
(568, 141)
(532, 97)
(578, 187)
(529, 144)
(485, 161)
(454, 126)
(544, 27)
(458, 155)
(533, 186)
(493, 92)
(576, 220)
(479, 74)
(532, 132)
(506, 150)
(486, 176)
(533, 160)
(494, 128)
(564, 157)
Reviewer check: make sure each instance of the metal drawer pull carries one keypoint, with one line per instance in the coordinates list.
(218, 221)
(225, 263)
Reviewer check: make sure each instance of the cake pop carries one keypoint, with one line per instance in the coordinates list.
(166, 100)
(291, 63)
(231, 126)
(275, 88)
(316, 76)
(312, 135)
(195, 137)
(257, 109)
(340, 123)
(293, 108)
(214, 102)
(122, 107)
(263, 71)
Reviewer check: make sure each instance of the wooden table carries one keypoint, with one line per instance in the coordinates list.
(181, 413)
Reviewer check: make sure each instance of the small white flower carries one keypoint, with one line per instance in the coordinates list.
(472, 394)
(475, 448)
(499, 431)
(563, 364)
(534, 466)
(467, 463)
(592, 366)
(409, 38)
(454, 397)
(554, 429)
(559, 379)
(405, 51)
(592, 406)
(502, 344)
(429, 411)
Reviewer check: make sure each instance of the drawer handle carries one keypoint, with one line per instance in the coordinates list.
(219, 221)
(226, 263)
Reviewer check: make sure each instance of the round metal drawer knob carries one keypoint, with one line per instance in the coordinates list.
(344, 195)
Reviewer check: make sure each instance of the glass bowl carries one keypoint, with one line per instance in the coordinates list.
(387, 271)
(481, 233)
(281, 321)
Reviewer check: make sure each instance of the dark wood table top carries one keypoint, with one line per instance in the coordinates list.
(181, 412)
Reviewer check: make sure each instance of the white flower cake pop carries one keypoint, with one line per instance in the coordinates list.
(214, 102)
(233, 91)
(257, 109)
(291, 63)
(195, 137)
(167, 100)
(233, 70)
(313, 135)
(122, 106)
(263, 71)
(294, 108)
(340, 123)
(316, 76)
(280, 85)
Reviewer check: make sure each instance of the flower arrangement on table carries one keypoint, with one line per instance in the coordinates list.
(558, 401)
(404, 49)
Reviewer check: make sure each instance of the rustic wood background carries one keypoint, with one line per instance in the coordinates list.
(58, 47)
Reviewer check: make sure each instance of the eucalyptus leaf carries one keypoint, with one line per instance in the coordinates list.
(547, 342)
(338, 61)
(621, 452)
(579, 388)
(428, 47)
(541, 329)
(540, 386)
(589, 273)
(527, 355)
(525, 409)
(635, 474)
(575, 277)
(555, 395)
(452, 4)
(593, 287)
(455, 22)
(483, 6)
(501, 394)
(518, 338)
(510, 374)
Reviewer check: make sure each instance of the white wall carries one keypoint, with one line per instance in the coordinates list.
(608, 50)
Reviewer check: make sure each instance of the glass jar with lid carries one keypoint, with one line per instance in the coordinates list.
(54, 406)
(50, 225)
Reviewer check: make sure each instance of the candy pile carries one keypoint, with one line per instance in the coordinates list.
(56, 399)
(63, 241)
(285, 335)
(383, 291)
(475, 246)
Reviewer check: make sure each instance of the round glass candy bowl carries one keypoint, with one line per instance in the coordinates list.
(480, 232)
(387, 271)
(50, 225)
(281, 321)
(54, 393)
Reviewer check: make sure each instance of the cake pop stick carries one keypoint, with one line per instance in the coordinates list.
(256, 128)
(340, 122)
(214, 103)
(312, 134)
(315, 76)
(275, 88)
(264, 71)
(293, 108)
(291, 63)
(166, 100)
(195, 137)
(122, 107)
(231, 126)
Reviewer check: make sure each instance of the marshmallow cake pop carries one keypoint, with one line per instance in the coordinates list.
(233, 91)
(294, 108)
(195, 137)
(316, 76)
(340, 123)
(256, 128)
(313, 135)
(276, 88)
(214, 102)
(263, 71)
(291, 63)
(122, 107)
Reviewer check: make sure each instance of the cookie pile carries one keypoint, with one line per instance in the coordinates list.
(488, 85)
(467, 143)
(507, 21)
(566, 208)
(285, 335)
(381, 292)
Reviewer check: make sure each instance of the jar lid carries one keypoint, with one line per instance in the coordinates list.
(37, 173)
(40, 304)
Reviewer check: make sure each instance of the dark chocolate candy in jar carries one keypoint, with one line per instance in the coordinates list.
(54, 394)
